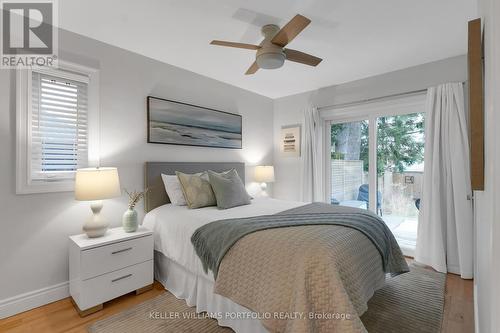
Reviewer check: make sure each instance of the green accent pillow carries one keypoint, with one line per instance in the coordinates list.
(197, 189)
(229, 189)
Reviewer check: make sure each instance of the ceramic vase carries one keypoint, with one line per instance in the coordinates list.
(129, 220)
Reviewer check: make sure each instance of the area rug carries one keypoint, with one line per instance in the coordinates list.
(410, 303)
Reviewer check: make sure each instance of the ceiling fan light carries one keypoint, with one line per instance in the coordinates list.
(270, 60)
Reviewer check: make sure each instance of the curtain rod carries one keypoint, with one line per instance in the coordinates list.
(368, 100)
(374, 99)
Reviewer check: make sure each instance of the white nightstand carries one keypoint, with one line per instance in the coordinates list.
(104, 268)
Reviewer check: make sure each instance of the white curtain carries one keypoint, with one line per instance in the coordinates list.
(445, 231)
(312, 180)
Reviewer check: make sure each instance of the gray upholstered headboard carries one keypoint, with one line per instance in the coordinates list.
(157, 196)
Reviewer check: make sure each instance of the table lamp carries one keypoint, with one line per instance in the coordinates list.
(96, 184)
(264, 174)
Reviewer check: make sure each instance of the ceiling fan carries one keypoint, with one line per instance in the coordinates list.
(271, 52)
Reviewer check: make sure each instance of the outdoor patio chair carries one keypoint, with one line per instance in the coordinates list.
(363, 195)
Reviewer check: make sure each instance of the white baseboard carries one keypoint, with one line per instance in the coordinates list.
(33, 299)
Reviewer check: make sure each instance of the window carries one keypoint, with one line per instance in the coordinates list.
(55, 115)
(58, 126)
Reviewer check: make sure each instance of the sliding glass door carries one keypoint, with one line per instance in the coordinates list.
(376, 162)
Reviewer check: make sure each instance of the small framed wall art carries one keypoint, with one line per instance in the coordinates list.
(290, 140)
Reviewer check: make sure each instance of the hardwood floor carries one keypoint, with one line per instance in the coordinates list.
(459, 305)
(61, 316)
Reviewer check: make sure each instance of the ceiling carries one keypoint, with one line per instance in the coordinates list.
(356, 39)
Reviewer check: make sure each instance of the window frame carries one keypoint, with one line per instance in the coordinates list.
(67, 70)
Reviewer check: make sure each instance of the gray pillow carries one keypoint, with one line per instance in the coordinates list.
(197, 190)
(229, 189)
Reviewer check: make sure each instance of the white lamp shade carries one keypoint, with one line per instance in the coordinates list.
(264, 174)
(97, 184)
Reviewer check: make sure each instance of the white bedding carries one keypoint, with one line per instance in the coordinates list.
(173, 227)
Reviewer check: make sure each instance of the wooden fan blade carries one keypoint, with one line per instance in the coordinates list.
(237, 45)
(252, 69)
(301, 57)
(291, 30)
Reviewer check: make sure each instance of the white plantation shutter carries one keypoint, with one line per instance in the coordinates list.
(59, 133)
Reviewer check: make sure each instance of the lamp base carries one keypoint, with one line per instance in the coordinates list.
(95, 225)
(263, 189)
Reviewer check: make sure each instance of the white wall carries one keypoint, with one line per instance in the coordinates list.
(487, 208)
(288, 110)
(34, 228)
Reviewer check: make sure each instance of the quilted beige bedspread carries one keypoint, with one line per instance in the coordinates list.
(315, 278)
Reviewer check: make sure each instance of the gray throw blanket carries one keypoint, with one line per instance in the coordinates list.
(213, 240)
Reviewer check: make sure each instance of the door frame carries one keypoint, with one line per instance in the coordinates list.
(414, 103)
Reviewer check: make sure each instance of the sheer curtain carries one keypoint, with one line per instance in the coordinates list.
(312, 179)
(445, 231)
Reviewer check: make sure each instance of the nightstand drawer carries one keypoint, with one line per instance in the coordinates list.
(109, 258)
(108, 286)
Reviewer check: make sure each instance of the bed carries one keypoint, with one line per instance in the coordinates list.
(282, 295)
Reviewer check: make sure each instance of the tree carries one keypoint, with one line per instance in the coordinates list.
(399, 142)
(347, 138)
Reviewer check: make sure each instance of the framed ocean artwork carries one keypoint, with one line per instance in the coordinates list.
(177, 123)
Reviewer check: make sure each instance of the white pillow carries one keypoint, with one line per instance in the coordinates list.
(174, 189)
